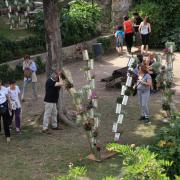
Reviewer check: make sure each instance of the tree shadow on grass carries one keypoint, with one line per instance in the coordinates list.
(45, 156)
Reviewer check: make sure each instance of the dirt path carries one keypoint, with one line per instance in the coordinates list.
(33, 155)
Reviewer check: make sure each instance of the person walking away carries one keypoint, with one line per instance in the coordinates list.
(145, 30)
(128, 30)
(4, 110)
(29, 68)
(137, 21)
(14, 93)
(119, 39)
(52, 88)
(144, 84)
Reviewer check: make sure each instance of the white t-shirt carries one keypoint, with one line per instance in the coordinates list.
(14, 96)
(3, 94)
(144, 28)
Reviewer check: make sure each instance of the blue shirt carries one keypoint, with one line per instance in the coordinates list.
(33, 67)
(120, 34)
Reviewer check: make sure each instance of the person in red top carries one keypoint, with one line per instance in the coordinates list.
(128, 30)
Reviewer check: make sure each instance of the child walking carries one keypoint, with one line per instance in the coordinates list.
(14, 94)
(119, 39)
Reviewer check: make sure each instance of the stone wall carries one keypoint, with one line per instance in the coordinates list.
(70, 53)
(119, 9)
(113, 12)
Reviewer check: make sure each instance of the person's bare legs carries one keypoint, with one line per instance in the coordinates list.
(142, 49)
(117, 49)
(121, 49)
(147, 48)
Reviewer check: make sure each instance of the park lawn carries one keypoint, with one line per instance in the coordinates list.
(14, 35)
(33, 155)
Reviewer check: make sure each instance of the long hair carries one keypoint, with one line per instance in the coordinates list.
(143, 68)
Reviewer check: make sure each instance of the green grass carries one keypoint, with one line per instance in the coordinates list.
(14, 35)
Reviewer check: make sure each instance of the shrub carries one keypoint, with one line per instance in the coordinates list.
(12, 50)
(173, 35)
(73, 174)
(78, 22)
(168, 146)
(164, 18)
(108, 43)
(139, 163)
(40, 65)
(7, 73)
(153, 11)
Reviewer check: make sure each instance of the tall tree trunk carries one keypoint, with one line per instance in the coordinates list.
(54, 49)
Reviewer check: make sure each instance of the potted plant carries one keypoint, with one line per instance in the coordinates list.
(166, 106)
(123, 89)
(119, 99)
(129, 81)
(85, 55)
(91, 63)
(127, 92)
(87, 126)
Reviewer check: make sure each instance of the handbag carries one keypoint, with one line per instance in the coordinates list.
(27, 72)
(135, 87)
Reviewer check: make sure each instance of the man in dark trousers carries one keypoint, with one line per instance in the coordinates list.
(4, 110)
(137, 21)
(52, 88)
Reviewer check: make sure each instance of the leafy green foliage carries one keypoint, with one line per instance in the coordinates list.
(73, 174)
(168, 146)
(164, 18)
(11, 50)
(110, 178)
(78, 22)
(108, 43)
(40, 65)
(7, 73)
(139, 162)
(153, 11)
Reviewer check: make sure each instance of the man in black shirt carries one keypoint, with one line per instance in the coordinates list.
(53, 85)
(137, 22)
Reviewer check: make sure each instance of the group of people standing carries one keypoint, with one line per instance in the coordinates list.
(137, 30)
(10, 100)
(146, 83)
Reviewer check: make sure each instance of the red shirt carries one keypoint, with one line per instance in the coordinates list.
(128, 26)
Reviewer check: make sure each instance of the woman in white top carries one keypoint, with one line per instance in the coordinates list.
(29, 68)
(14, 94)
(145, 30)
(4, 110)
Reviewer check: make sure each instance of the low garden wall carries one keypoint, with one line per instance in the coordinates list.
(72, 53)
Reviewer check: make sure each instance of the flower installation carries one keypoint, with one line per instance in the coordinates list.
(16, 17)
(123, 98)
(86, 103)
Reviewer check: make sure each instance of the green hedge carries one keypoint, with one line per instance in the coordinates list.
(164, 19)
(108, 43)
(12, 50)
(78, 22)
